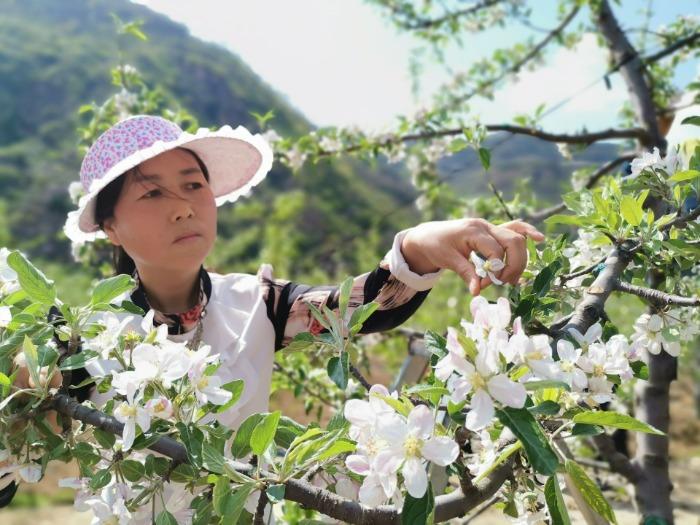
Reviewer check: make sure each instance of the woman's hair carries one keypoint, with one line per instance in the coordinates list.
(104, 209)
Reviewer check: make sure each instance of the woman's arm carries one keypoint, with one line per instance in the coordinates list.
(393, 284)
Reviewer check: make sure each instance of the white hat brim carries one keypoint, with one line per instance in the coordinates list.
(235, 159)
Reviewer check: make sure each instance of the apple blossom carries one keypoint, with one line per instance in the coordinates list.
(131, 413)
(648, 333)
(410, 441)
(488, 267)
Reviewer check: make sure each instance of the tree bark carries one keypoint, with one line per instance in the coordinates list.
(653, 489)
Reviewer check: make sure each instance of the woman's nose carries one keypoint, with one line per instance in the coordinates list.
(183, 210)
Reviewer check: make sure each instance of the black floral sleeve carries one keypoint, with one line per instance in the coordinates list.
(290, 315)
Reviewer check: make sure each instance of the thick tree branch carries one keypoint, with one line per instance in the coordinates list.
(618, 462)
(632, 70)
(446, 506)
(656, 297)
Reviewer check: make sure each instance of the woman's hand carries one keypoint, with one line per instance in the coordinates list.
(24, 380)
(448, 244)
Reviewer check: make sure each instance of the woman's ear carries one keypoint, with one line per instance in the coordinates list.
(108, 228)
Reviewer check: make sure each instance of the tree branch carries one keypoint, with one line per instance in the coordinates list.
(618, 462)
(655, 296)
(671, 49)
(426, 23)
(446, 506)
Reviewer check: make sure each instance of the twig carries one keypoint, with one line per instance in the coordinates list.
(671, 49)
(426, 23)
(260, 510)
(358, 375)
(501, 201)
(579, 273)
(655, 296)
(304, 387)
(482, 509)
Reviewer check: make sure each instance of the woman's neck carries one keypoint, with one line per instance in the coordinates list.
(170, 291)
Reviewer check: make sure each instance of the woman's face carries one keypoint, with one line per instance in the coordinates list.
(167, 219)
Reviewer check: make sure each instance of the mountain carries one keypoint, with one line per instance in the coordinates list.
(57, 56)
(331, 217)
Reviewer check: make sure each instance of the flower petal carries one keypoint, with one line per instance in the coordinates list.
(440, 450)
(481, 412)
(421, 422)
(507, 391)
(414, 477)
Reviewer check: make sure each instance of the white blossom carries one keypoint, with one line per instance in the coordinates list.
(131, 413)
(648, 334)
(411, 441)
(488, 267)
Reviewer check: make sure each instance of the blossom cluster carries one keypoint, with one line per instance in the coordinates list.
(389, 443)
(496, 366)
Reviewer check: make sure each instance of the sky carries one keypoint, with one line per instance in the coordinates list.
(342, 63)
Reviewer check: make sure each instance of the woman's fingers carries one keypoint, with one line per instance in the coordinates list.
(516, 253)
(524, 228)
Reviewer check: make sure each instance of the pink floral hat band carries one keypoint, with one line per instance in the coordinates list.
(236, 160)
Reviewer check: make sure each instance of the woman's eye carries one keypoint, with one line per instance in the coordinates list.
(196, 185)
(151, 194)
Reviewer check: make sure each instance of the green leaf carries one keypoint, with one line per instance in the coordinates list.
(132, 470)
(264, 433)
(229, 504)
(32, 358)
(485, 158)
(241, 441)
(505, 454)
(235, 503)
(183, 473)
(417, 511)
(630, 210)
(165, 518)
(581, 429)
(192, 438)
(547, 408)
(275, 493)
(105, 439)
(344, 298)
(685, 175)
(589, 490)
(288, 430)
(212, 459)
(360, 315)
(640, 370)
(32, 281)
(545, 277)
(546, 383)
(615, 420)
(555, 502)
(300, 342)
(108, 289)
(78, 360)
(100, 479)
(537, 448)
(435, 343)
(693, 121)
(236, 389)
(339, 369)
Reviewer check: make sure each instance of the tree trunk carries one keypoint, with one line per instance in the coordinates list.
(653, 489)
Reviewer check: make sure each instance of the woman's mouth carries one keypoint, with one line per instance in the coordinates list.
(187, 237)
